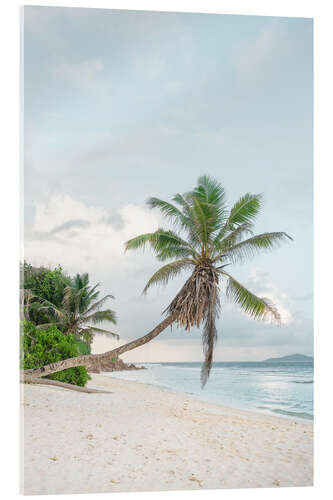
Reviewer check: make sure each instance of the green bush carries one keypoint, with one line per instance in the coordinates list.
(49, 284)
(40, 347)
(84, 347)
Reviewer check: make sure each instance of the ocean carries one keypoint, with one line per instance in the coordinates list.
(280, 388)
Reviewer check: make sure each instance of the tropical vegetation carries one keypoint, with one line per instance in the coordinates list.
(41, 347)
(204, 237)
(74, 308)
(60, 317)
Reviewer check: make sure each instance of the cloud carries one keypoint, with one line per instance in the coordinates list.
(83, 74)
(69, 225)
(116, 220)
(99, 236)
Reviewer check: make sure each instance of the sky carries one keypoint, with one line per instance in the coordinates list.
(123, 105)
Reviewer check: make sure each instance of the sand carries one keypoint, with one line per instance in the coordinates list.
(142, 438)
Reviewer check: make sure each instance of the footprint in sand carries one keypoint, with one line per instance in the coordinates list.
(196, 480)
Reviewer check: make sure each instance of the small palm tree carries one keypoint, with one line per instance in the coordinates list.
(80, 311)
(206, 238)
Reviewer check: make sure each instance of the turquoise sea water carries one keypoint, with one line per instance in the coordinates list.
(278, 388)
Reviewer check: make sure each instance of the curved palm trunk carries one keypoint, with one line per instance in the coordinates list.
(88, 359)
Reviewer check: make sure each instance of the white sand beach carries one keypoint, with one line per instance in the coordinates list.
(142, 438)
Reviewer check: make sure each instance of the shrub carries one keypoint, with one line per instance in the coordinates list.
(49, 284)
(40, 347)
(84, 347)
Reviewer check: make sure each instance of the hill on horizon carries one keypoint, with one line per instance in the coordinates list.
(290, 358)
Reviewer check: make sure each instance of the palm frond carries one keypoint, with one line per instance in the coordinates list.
(102, 331)
(250, 247)
(245, 210)
(46, 305)
(232, 237)
(201, 221)
(169, 211)
(210, 194)
(166, 239)
(185, 201)
(167, 272)
(97, 305)
(139, 241)
(99, 316)
(93, 293)
(68, 296)
(255, 307)
(211, 190)
(175, 252)
(80, 281)
(214, 218)
(159, 241)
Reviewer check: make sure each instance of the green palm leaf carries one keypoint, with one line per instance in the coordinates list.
(200, 220)
(167, 272)
(255, 307)
(100, 330)
(211, 195)
(250, 247)
(233, 237)
(186, 202)
(210, 191)
(46, 305)
(175, 252)
(97, 305)
(99, 316)
(245, 210)
(169, 211)
(159, 241)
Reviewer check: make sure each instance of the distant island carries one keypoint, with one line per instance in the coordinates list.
(290, 359)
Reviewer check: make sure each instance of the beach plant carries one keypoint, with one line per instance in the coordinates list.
(79, 312)
(204, 238)
(41, 347)
(48, 284)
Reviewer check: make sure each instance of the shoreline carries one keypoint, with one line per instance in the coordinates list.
(196, 397)
(145, 438)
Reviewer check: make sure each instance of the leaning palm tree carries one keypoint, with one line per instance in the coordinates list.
(205, 238)
(80, 312)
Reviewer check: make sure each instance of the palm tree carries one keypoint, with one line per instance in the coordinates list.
(80, 311)
(206, 237)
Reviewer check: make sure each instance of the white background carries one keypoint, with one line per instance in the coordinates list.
(10, 181)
